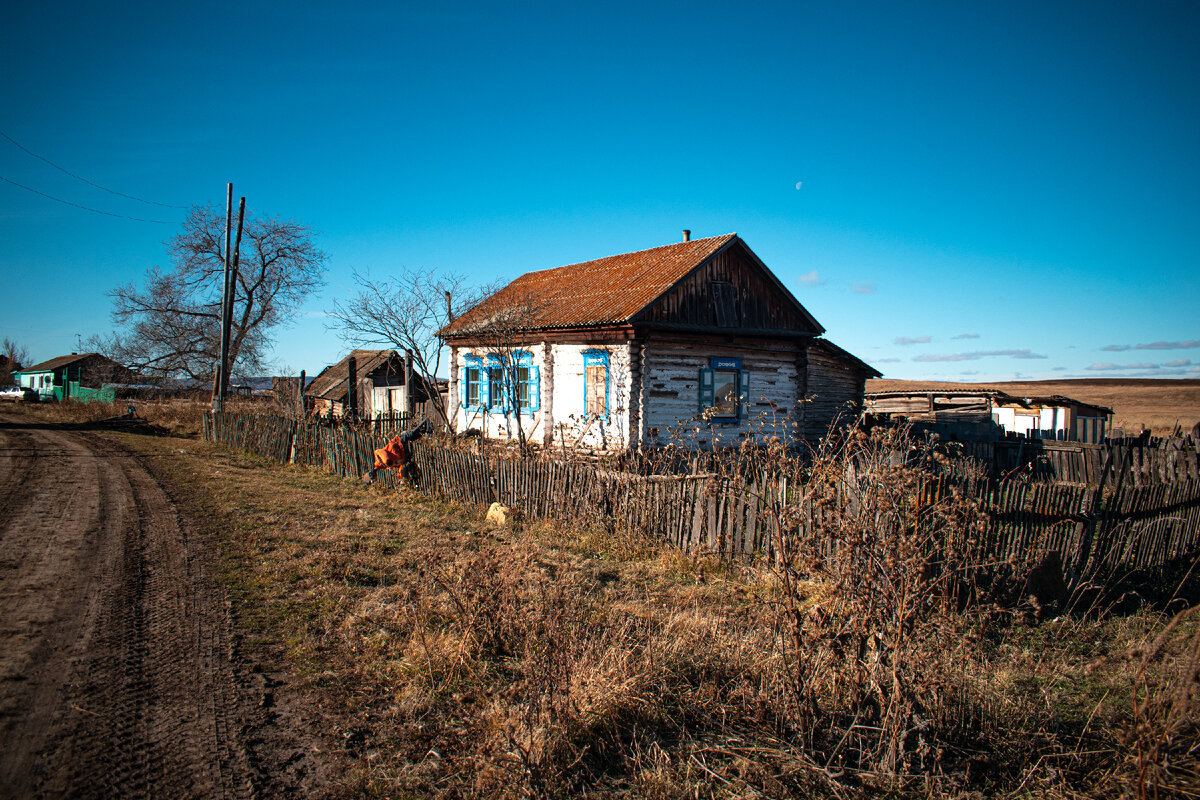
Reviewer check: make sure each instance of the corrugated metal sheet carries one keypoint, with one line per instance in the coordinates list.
(606, 291)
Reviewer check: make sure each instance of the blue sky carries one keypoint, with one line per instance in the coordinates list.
(957, 191)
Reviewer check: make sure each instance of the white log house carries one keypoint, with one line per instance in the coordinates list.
(696, 342)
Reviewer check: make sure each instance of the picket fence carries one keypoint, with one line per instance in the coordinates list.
(1098, 531)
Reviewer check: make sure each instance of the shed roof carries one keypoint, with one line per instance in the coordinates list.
(58, 362)
(847, 356)
(964, 397)
(334, 380)
(605, 291)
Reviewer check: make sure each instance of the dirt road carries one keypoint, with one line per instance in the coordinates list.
(116, 678)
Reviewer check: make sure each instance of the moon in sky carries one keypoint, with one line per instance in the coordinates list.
(799, 184)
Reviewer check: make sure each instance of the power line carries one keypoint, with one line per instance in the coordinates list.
(85, 180)
(85, 208)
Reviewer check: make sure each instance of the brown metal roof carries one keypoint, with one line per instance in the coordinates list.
(59, 361)
(607, 291)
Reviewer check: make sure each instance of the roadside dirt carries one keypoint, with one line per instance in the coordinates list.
(117, 676)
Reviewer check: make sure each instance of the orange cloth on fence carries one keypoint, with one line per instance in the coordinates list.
(394, 454)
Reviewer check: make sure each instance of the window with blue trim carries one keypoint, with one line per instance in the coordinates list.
(472, 383)
(595, 382)
(724, 389)
(513, 378)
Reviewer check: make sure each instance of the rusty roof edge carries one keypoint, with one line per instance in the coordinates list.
(451, 330)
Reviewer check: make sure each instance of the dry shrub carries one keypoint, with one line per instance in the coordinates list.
(871, 572)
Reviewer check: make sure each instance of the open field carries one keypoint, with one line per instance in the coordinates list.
(437, 656)
(1160, 405)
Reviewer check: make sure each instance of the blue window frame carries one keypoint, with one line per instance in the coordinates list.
(595, 382)
(513, 376)
(724, 389)
(473, 397)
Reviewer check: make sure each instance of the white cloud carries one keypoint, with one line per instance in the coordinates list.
(966, 336)
(863, 287)
(1189, 344)
(812, 278)
(977, 354)
(912, 340)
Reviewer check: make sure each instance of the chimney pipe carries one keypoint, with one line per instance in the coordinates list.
(687, 234)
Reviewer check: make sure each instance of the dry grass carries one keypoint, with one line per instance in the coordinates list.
(175, 417)
(1158, 404)
(444, 658)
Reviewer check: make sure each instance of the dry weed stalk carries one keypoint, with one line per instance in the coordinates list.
(871, 570)
(1163, 738)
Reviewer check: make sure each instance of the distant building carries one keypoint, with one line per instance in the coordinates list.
(620, 352)
(78, 376)
(988, 414)
(384, 384)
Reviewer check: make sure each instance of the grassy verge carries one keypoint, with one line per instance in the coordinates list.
(446, 658)
(176, 417)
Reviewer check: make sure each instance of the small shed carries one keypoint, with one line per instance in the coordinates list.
(383, 384)
(77, 376)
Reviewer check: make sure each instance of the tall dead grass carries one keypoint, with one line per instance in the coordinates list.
(453, 659)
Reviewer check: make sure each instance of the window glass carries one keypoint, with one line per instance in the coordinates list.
(596, 389)
(472, 386)
(496, 387)
(725, 392)
(521, 376)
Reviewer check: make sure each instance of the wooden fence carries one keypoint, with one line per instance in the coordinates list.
(1098, 530)
(1167, 461)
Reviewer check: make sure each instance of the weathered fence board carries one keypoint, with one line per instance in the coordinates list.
(1108, 522)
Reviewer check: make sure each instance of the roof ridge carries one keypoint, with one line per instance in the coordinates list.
(730, 236)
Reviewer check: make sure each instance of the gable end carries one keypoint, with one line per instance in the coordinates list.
(731, 290)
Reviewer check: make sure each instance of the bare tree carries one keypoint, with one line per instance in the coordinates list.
(171, 326)
(505, 325)
(13, 357)
(406, 312)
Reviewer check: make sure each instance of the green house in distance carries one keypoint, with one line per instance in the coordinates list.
(78, 376)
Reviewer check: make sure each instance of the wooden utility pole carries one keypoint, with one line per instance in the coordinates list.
(352, 392)
(230, 292)
(300, 397)
(218, 398)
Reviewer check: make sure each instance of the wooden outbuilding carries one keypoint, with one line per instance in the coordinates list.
(696, 342)
(990, 414)
(383, 384)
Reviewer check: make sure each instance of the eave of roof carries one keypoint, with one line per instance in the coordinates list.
(846, 354)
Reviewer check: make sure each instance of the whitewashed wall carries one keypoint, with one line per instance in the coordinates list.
(562, 410)
(570, 420)
(492, 423)
(1048, 418)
